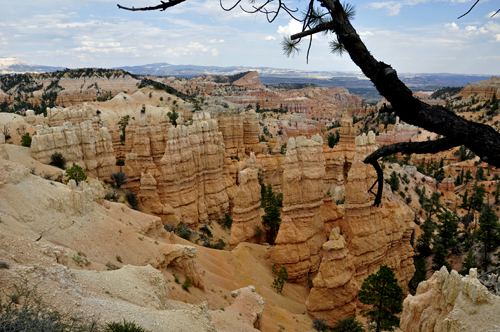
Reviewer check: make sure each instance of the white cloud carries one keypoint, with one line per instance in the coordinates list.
(497, 37)
(393, 7)
(365, 34)
(270, 38)
(291, 28)
(471, 28)
(452, 26)
(490, 15)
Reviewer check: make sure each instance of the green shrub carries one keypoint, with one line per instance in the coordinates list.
(26, 140)
(348, 325)
(280, 277)
(120, 178)
(132, 200)
(23, 310)
(112, 195)
(185, 234)
(123, 327)
(120, 162)
(57, 160)
(186, 284)
(76, 173)
(226, 222)
(4, 265)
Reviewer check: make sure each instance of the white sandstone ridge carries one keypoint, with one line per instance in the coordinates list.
(448, 302)
(90, 148)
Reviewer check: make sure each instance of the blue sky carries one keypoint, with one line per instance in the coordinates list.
(414, 36)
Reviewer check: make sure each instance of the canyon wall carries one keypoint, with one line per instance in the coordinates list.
(484, 89)
(449, 302)
(361, 240)
(193, 178)
(246, 212)
(339, 159)
(82, 144)
(301, 232)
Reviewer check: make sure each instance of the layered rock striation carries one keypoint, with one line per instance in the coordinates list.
(246, 212)
(375, 236)
(193, 178)
(81, 144)
(301, 232)
(335, 290)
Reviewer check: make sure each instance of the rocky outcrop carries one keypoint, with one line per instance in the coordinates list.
(449, 302)
(250, 81)
(246, 211)
(58, 116)
(301, 232)
(193, 178)
(375, 236)
(484, 89)
(339, 159)
(80, 144)
(400, 133)
(335, 290)
(272, 170)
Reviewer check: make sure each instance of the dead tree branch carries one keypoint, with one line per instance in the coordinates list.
(162, 7)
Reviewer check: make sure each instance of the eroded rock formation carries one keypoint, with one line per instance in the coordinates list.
(301, 233)
(81, 144)
(375, 236)
(335, 290)
(485, 89)
(193, 178)
(449, 302)
(246, 211)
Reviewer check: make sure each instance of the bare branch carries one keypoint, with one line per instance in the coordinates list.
(162, 7)
(321, 27)
(404, 148)
(474, 5)
(495, 13)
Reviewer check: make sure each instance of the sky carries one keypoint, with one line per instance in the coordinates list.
(414, 36)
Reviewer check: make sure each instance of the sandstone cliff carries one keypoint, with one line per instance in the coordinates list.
(335, 290)
(484, 89)
(301, 232)
(246, 212)
(375, 236)
(339, 159)
(193, 178)
(449, 302)
(81, 144)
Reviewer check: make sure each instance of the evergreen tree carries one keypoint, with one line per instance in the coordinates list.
(348, 325)
(439, 257)
(468, 176)
(76, 173)
(425, 239)
(26, 140)
(381, 291)
(480, 174)
(432, 205)
(448, 230)
(488, 234)
(420, 274)
(272, 217)
(468, 263)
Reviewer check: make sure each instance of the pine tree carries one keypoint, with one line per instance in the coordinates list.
(381, 291)
(448, 230)
(425, 239)
(468, 263)
(488, 234)
(439, 257)
(76, 173)
(272, 217)
(420, 274)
